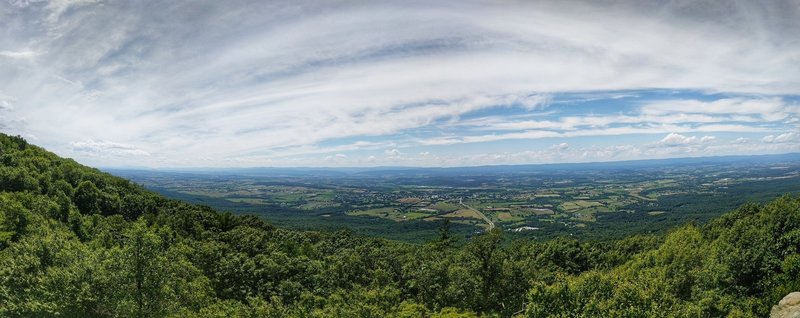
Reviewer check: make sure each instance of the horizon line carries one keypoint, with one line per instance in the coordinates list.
(174, 169)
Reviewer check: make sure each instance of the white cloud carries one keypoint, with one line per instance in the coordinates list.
(584, 122)
(782, 138)
(107, 148)
(770, 109)
(57, 8)
(19, 55)
(606, 153)
(23, 3)
(706, 139)
(614, 131)
(393, 153)
(337, 158)
(674, 139)
(6, 102)
(787, 137)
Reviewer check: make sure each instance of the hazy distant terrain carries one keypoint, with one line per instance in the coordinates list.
(589, 200)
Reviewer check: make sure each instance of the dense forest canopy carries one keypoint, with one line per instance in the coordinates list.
(76, 242)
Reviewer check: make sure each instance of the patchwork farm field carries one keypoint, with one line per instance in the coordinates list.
(532, 201)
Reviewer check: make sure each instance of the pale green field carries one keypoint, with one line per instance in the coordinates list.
(392, 214)
(444, 207)
(575, 205)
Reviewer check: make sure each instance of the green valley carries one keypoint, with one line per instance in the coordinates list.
(76, 242)
(595, 200)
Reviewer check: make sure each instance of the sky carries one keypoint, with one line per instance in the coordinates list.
(399, 83)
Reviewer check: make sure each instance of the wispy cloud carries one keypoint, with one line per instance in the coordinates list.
(19, 55)
(789, 137)
(107, 148)
(616, 131)
(674, 139)
(6, 102)
(734, 109)
(279, 83)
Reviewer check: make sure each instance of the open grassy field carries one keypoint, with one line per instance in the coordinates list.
(575, 205)
(247, 200)
(463, 213)
(393, 214)
(379, 212)
(444, 207)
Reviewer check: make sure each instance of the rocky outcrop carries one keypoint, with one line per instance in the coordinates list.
(788, 307)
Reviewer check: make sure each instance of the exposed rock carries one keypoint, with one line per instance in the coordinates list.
(788, 307)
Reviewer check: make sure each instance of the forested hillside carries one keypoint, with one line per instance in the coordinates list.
(76, 242)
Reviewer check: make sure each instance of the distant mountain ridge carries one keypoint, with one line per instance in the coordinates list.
(473, 170)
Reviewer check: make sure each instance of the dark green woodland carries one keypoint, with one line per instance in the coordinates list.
(77, 242)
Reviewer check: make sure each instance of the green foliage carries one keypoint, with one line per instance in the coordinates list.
(739, 265)
(47, 273)
(75, 242)
(87, 197)
(14, 219)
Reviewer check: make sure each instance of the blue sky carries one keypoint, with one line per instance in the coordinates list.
(412, 83)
